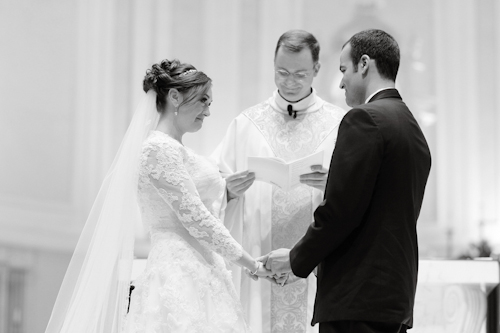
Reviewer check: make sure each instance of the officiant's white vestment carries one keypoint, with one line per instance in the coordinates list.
(267, 218)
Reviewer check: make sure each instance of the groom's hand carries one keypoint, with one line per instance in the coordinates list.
(278, 261)
(263, 259)
(287, 279)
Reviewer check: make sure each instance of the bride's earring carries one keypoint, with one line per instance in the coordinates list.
(173, 100)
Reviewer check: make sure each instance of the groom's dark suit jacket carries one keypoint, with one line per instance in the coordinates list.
(363, 238)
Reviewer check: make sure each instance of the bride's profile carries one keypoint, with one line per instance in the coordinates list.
(179, 197)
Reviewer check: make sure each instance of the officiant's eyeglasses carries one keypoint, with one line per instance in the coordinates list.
(283, 74)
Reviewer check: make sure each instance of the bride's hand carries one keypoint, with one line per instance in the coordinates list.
(261, 271)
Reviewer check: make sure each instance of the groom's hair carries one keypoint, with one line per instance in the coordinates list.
(296, 41)
(378, 45)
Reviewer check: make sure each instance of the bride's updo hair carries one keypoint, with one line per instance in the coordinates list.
(175, 75)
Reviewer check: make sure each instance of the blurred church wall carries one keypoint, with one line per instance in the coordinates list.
(71, 74)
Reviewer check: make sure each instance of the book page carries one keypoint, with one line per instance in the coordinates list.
(284, 175)
(302, 166)
(269, 169)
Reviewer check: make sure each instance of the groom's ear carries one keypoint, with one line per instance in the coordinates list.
(364, 64)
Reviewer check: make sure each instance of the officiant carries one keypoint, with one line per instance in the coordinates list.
(294, 122)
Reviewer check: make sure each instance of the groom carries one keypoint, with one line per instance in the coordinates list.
(364, 240)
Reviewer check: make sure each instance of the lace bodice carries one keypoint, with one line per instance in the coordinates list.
(181, 191)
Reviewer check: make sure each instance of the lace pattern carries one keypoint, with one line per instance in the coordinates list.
(177, 176)
(186, 286)
(171, 295)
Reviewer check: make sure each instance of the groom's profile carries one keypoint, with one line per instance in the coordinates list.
(363, 240)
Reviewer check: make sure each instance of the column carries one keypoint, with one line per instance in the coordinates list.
(457, 155)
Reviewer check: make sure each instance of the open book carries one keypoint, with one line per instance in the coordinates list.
(285, 175)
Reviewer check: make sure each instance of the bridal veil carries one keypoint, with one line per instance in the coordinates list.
(93, 297)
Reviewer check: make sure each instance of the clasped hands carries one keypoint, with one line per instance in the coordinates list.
(275, 268)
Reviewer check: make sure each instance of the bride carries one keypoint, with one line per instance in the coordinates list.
(179, 196)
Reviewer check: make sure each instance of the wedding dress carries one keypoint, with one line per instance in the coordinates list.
(185, 286)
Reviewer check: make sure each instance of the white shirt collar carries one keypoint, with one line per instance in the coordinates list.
(301, 105)
(376, 92)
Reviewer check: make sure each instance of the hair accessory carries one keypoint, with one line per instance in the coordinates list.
(188, 72)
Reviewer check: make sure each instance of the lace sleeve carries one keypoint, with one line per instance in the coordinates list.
(165, 169)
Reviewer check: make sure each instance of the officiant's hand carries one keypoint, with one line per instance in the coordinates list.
(278, 261)
(238, 183)
(317, 178)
